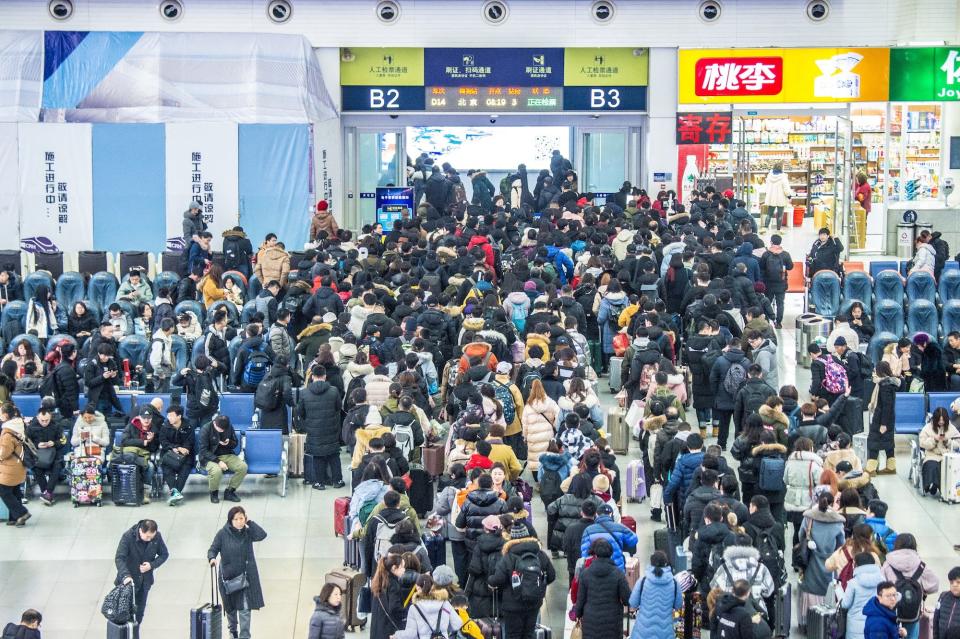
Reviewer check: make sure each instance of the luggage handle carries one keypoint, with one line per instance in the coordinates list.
(214, 591)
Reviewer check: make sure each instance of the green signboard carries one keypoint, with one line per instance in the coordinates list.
(927, 74)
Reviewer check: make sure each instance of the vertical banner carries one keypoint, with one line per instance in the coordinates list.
(56, 194)
(274, 182)
(128, 179)
(327, 154)
(9, 208)
(201, 164)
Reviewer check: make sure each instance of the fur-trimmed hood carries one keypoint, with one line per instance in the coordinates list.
(314, 328)
(829, 517)
(772, 415)
(654, 423)
(513, 543)
(769, 448)
(735, 555)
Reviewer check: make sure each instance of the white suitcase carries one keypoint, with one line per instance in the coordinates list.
(950, 478)
(616, 366)
(860, 448)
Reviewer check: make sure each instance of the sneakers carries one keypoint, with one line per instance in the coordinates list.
(22, 521)
(319, 487)
(175, 497)
(47, 498)
(230, 495)
(339, 484)
(214, 496)
(146, 498)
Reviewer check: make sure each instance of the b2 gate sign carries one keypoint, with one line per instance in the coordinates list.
(391, 200)
(525, 80)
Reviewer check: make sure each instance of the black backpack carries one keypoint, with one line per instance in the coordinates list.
(774, 267)
(234, 256)
(910, 606)
(771, 557)
(530, 584)
(268, 395)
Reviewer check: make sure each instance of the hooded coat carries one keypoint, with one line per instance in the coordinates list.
(621, 538)
(537, 420)
(826, 530)
(860, 590)
(429, 613)
(273, 263)
(478, 504)
(326, 622)
(778, 191)
(743, 562)
(235, 549)
(801, 475)
(655, 598)
(483, 563)
(319, 412)
(602, 594)
(512, 551)
(323, 221)
(611, 305)
(880, 621)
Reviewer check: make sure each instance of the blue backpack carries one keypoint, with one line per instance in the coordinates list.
(256, 367)
(771, 474)
(519, 317)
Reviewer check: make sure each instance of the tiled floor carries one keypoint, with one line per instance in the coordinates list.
(62, 562)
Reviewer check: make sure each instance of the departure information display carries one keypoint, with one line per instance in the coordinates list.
(493, 99)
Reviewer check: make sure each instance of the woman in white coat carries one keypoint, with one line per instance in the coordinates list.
(539, 419)
(777, 195)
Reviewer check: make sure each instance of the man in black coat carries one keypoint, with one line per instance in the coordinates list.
(65, 385)
(521, 616)
(140, 552)
(697, 500)
(438, 190)
(751, 396)
(203, 400)
(735, 619)
(101, 378)
(318, 411)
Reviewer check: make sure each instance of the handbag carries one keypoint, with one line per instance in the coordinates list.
(238, 583)
(172, 458)
(801, 551)
(46, 458)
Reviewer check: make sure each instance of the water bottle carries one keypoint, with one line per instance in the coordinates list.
(255, 420)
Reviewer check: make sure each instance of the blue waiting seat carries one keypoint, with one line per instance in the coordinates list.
(265, 452)
(888, 285)
(825, 293)
(34, 342)
(102, 290)
(949, 287)
(940, 400)
(888, 317)
(71, 289)
(54, 340)
(165, 279)
(950, 316)
(858, 287)
(922, 318)
(239, 408)
(911, 412)
(253, 287)
(35, 279)
(142, 399)
(135, 348)
(921, 286)
(904, 268)
(194, 307)
(878, 342)
(951, 265)
(882, 265)
(28, 404)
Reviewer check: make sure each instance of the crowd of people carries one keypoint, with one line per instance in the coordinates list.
(457, 358)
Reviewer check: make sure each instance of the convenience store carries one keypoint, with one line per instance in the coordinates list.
(826, 115)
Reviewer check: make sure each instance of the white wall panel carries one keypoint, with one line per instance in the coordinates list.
(668, 23)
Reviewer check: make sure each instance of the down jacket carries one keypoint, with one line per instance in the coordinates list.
(743, 562)
(620, 537)
(538, 421)
(655, 598)
(801, 475)
(478, 504)
(602, 594)
(933, 448)
(319, 412)
(860, 589)
(12, 470)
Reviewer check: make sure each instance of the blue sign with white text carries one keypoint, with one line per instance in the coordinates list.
(391, 201)
(493, 67)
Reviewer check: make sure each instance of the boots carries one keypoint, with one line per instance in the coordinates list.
(871, 467)
(214, 496)
(230, 495)
(891, 468)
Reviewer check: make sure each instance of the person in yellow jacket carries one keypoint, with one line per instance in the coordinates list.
(469, 627)
(373, 428)
(627, 315)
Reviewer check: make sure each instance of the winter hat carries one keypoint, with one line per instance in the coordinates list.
(840, 341)
(519, 530)
(444, 576)
(504, 368)
(920, 339)
(329, 318)
(530, 285)
(491, 523)
(322, 205)
(728, 193)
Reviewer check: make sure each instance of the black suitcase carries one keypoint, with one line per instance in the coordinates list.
(123, 631)
(126, 485)
(781, 613)
(421, 490)
(90, 262)
(668, 539)
(10, 261)
(52, 262)
(436, 547)
(351, 551)
(171, 261)
(206, 622)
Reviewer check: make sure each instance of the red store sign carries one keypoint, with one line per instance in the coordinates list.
(739, 76)
(704, 128)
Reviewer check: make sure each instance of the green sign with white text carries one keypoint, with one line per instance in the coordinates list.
(927, 74)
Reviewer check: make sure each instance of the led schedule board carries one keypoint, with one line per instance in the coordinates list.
(494, 99)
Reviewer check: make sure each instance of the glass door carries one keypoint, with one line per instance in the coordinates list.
(849, 228)
(604, 164)
(378, 160)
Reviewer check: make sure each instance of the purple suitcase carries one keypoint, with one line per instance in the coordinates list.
(636, 481)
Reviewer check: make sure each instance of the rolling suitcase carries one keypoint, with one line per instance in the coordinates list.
(351, 552)
(206, 622)
(123, 631)
(126, 485)
(618, 432)
(636, 481)
(950, 478)
(781, 614)
(341, 508)
(421, 490)
(433, 460)
(860, 447)
(616, 366)
(823, 622)
(86, 483)
(350, 582)
(542, 632)
(629, 522)
(436, 547)
(296, 457)
(492, 627)
(632, 566)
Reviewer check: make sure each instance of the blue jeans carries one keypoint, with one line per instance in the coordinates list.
(913, 630)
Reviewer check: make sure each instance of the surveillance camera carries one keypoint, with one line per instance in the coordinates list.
(394, 116)
(493, 118)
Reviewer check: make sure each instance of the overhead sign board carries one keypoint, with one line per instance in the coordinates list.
(925, 74)
(394, 66)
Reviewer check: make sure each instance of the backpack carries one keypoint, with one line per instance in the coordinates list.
(527, 382)
(834, 376)
(355, 383)
(774, 267)
(519, 317)
(28, 454)
(119, 606)
(234, 257)
(910, 606)
(550, 490)
(205, 393)
(403, 433)
(268, 394)
(256, 366)
(505, 397)
(430, 283)
(294, 303)
(435, 632)
(771, 474)
(734, 378)
(528, 580)
(771, 557)
(714, 560)
(647, 374)
(613, 320)
(162, 312)
(48, 387)
(381, 541)
(363, 515)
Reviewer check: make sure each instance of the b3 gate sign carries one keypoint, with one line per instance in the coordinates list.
(527, 80)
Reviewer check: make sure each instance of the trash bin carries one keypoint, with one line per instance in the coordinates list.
(906, 232)
(801, 339)
(923, 226)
